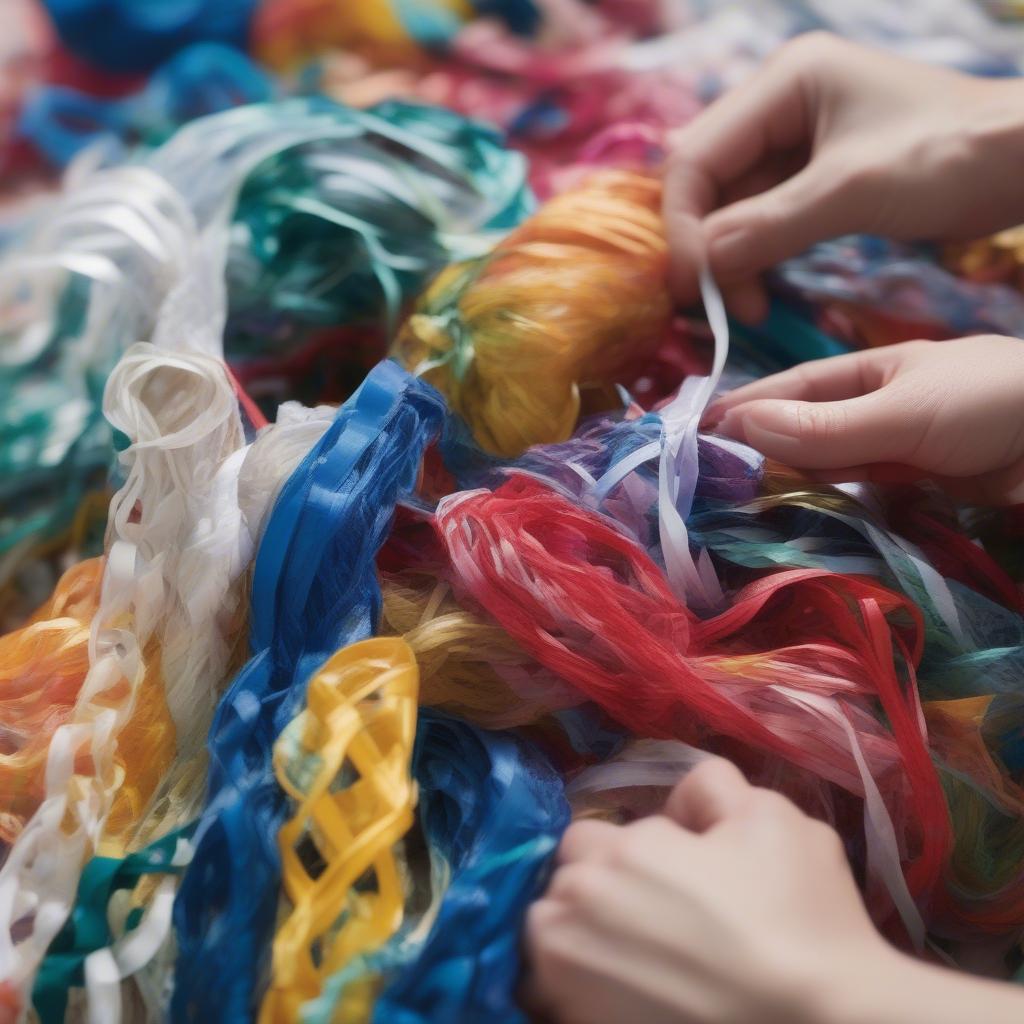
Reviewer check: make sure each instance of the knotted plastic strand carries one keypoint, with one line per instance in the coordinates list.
(345, 760)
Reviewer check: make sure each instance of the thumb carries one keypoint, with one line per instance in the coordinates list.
(708, 794)
(827, 435)
(756, 233)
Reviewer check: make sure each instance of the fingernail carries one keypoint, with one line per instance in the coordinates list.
(780, 446)
(732, 426)
(712, 414)
(728, 250)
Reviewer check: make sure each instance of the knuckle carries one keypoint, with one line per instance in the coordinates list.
(713, 773)
(580, 884)
(538, 926)
(811, 50)
(637, 841)
(820, 424)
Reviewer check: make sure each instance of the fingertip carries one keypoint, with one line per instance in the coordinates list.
(686, 256)
(731, 424)
(588, 839)
(712, 791)
(747, 302)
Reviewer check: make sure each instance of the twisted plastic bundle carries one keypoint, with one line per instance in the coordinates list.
(562, 304)
(85, 283)
(138, 947)
(468, 667)
(42, 667)
(492, 810)
(106, 761)
(347, 229)
(588, 603)
(314, 241)
(314, 591)
(345, 759)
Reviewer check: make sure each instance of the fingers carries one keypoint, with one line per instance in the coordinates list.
(756, 233)
(713, 791)
(877, 427)
(587, 840)
(824, 380)
(720, 147)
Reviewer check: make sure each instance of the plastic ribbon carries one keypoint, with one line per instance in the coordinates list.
(564, 303)
(86, 948)
(314, 590)
(106, 761)
(345, 760)
(492, 810)
(549, 572)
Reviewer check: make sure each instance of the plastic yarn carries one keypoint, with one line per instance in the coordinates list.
(314, 590)
(314, 242)
(106, 761)
(562, 304)
(492, 811)
(588, 603)
(87, 938)
(346, 231)
(42, 667)
(78, 289)
(468, 667)
(345, 760)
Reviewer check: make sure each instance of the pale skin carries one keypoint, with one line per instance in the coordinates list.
(733, 906)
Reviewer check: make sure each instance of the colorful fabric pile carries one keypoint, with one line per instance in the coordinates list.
(357, 526)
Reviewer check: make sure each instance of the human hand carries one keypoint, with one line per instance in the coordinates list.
(830, 138)
(950, 410)
(733, 906)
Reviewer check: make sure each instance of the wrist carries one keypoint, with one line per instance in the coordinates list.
(894, 988)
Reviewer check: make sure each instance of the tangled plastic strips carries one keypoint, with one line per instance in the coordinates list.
(547, 570)
(79, 955)
(84, 283)
(360, 716)
(180, 412)
(582, 275)
(492, 810)
(89, 279)
(314, 591)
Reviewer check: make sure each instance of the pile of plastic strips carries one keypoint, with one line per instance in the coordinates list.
(357, 529)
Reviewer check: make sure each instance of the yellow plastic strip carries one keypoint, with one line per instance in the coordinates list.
(346, 761)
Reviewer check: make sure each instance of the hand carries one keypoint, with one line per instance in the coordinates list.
(730, 908)
(830, 138)
(950, 410)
